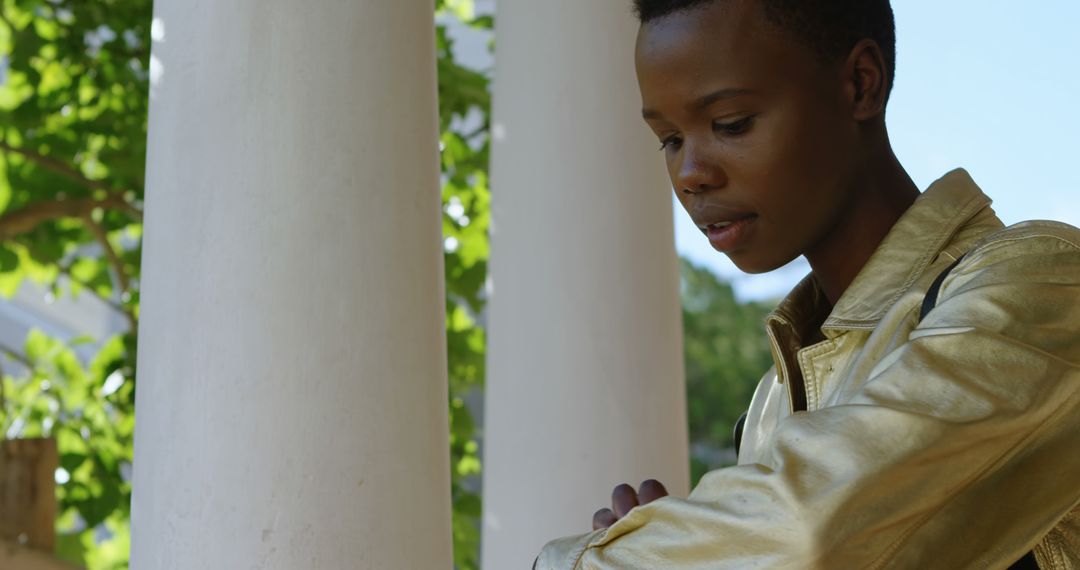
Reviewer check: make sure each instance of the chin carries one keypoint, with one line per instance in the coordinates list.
(756, 264)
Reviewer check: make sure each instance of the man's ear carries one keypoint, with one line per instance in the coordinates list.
(867, 80)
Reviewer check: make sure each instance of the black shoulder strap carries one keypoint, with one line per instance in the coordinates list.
(928, 303)
(930, 300)
(737, 436)
(1028, 562)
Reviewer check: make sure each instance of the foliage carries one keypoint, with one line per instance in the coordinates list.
(87, 408)
(73, 97)
(726, 352)
(73, 102)
(465, 118)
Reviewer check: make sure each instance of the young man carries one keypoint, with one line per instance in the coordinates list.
(882, 438)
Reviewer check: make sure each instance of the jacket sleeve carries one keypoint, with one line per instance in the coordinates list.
(959, 451)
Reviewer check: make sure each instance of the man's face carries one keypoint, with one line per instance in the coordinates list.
(758, 134)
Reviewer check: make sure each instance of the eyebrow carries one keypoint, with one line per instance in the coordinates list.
(702, 102)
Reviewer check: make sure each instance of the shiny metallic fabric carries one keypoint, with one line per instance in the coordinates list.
(878, 441)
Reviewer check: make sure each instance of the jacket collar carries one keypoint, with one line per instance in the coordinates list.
(917, 238)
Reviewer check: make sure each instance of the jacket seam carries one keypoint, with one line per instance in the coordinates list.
(1050, 551)
(995, 243)
(578, 553)
(809, 355)
(988, 247)
(955, 224)
(1007, 339)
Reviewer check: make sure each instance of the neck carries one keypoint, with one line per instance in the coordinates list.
(880, 194)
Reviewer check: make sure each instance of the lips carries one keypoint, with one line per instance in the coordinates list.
(717, 225)
(729, 235)
(726, 221)
(728, 227)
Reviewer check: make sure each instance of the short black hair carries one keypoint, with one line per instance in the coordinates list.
(829, 27)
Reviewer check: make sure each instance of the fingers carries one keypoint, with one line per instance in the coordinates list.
(623, 498)
(650, 491)
(603, 519)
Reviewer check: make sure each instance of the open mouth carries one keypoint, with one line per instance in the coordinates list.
(706, 229)
(716, 226)
(729, 235)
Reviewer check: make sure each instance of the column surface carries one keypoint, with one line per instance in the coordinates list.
(585, 385)
(292, 367)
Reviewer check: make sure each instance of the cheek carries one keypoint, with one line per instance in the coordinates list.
(802, 165)
(683, 200)
(826, 131)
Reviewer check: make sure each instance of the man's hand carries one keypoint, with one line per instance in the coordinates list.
(623, 498)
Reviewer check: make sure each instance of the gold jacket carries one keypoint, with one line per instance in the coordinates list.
(878, 441)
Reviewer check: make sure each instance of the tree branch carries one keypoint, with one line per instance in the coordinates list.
(3, 394)
(71, 173)
(110, 252)
(117, 265)
(66, 270)
(6, 20)
(27, 218)
(14, 355)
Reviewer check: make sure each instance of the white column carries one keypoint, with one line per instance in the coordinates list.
(585, 383)
(292, 368)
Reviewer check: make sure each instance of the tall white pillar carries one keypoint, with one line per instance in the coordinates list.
(292, 369)
(585, 383)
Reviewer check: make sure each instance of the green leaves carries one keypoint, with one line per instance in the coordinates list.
(9, 260)
(726, 353)
(73, 101)
(58, 396)
(465, 120)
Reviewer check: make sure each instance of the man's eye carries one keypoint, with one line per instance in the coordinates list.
(671, 142)
(736, 127)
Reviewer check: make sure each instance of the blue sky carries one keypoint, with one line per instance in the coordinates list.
(992, 86)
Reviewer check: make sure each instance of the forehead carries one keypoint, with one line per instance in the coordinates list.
(718, 45)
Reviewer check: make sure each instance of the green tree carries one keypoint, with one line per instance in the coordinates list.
(73, 96)
(73, 107)
(726, 352)
(465, 121)
(73, 103)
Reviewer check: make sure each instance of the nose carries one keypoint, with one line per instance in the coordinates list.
(698, 170)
